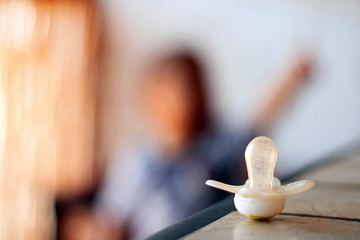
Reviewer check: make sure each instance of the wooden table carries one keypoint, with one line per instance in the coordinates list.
(330, 210)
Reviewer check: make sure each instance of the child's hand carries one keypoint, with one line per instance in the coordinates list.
(300, 69)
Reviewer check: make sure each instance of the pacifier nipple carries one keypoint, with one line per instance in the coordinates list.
(260, 156)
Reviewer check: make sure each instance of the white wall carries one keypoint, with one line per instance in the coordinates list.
(242, 41)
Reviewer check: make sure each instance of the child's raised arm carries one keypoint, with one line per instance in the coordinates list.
(278, 96)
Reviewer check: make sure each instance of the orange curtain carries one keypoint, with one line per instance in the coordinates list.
(48, 65)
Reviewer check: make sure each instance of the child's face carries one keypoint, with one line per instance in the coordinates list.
(169, 102)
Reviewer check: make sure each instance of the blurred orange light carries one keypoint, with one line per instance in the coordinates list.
(47, 107)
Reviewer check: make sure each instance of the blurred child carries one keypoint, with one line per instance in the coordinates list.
(156, 182)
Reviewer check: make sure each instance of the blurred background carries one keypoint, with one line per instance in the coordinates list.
(74, 77)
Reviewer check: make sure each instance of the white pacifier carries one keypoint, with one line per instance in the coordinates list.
(262, 195)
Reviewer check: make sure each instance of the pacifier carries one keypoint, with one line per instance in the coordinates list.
(262, 196)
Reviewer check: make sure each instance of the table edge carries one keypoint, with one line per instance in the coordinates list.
(196, 221)
(225, 206)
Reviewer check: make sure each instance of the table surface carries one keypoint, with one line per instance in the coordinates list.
(330, 210)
